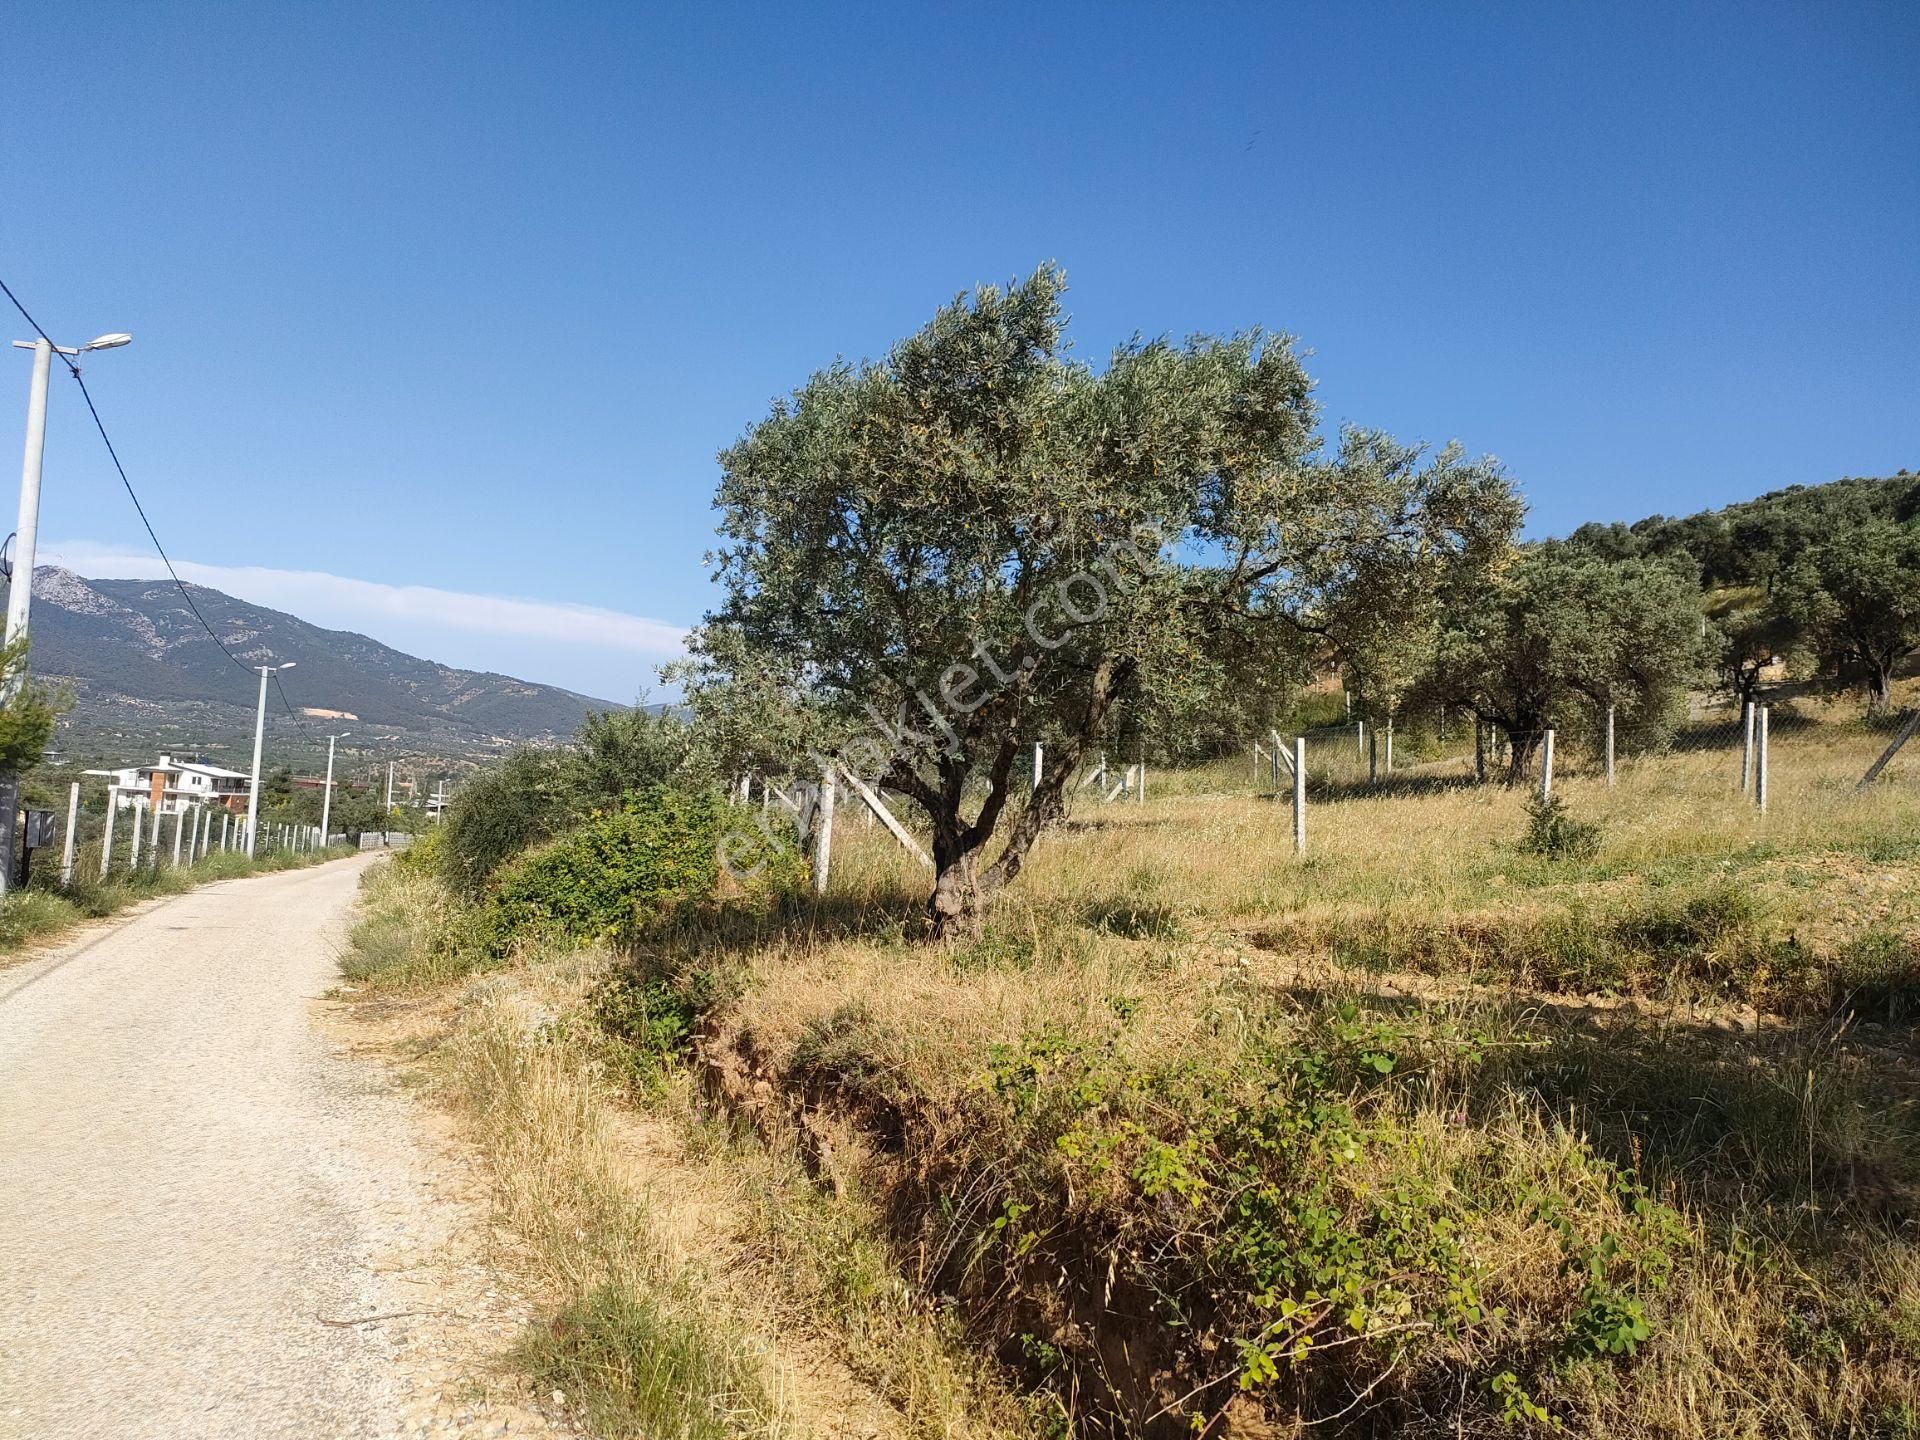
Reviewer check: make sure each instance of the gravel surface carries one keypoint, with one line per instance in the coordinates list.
(215, 1223)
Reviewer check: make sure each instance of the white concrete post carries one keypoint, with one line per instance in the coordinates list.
(226, 824)
(1609, 746)
(1746, 747)
(823, 837)
(73, 837)
(1389, 748)
(1360, 738)
(1039, 763)
(153, 843)
(179, 829)
(1760, 760)
(1299, 794)
(259, 738)
(1546, 766)
(133, 860)
(326, 795)
(106, 838)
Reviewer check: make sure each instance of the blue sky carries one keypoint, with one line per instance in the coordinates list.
(463, 298)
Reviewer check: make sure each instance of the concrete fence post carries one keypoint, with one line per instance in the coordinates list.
(179, 829)
(1760, 760)
(1360, 739)
(226, 825)
(823, 837)
(1746, 747)
(139, 821)
(73, 834)
(153, 843)
(1387, 766)
(1299, 794)
(1546, 766)
(106, 838)
(1039, 762)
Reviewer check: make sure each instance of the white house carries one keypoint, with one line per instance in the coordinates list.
(175, 785)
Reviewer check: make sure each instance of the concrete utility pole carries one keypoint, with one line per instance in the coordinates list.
(26, 536)
(326, 800)
(259, 736)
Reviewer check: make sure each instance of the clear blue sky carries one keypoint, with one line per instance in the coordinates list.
(467, 296)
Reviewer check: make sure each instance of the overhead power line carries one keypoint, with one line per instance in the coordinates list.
(139, 509)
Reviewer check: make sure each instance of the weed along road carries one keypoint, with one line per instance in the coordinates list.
(211, 1223)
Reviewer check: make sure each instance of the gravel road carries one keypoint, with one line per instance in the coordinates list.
(211, 1220)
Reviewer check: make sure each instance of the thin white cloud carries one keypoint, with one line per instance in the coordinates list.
(340, 602)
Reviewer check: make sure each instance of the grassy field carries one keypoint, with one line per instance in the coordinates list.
(1419, 1134)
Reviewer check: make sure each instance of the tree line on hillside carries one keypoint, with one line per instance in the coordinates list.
(932, 562)
(1825, 571)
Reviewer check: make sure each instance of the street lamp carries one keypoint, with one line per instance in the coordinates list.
(26, 534)
(326, 803)
(259, 734)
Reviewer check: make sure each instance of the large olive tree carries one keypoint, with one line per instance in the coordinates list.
(977, 543)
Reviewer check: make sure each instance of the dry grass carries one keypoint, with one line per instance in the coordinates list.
(700, 1283)
(1673, 1084)
(1184, 938)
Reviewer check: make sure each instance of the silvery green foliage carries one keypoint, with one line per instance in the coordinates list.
(933, 560)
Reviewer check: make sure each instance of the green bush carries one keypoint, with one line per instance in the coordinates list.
(1554, 833)
(623, 876)
(650, 1007)
(496, 815)
(536, 794)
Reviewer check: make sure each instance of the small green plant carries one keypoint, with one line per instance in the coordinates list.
(650, 1015)
(1554, 833)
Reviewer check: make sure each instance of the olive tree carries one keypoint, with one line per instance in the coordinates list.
(1562, 633)
(936, 559)
(1856, 600)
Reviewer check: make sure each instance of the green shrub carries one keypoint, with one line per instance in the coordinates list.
(649, 1009)
(427, 855)
(497, 814)
(1554, 833)
(1289, 1211)
(624, 876)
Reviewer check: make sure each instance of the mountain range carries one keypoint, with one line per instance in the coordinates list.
(142, 671)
